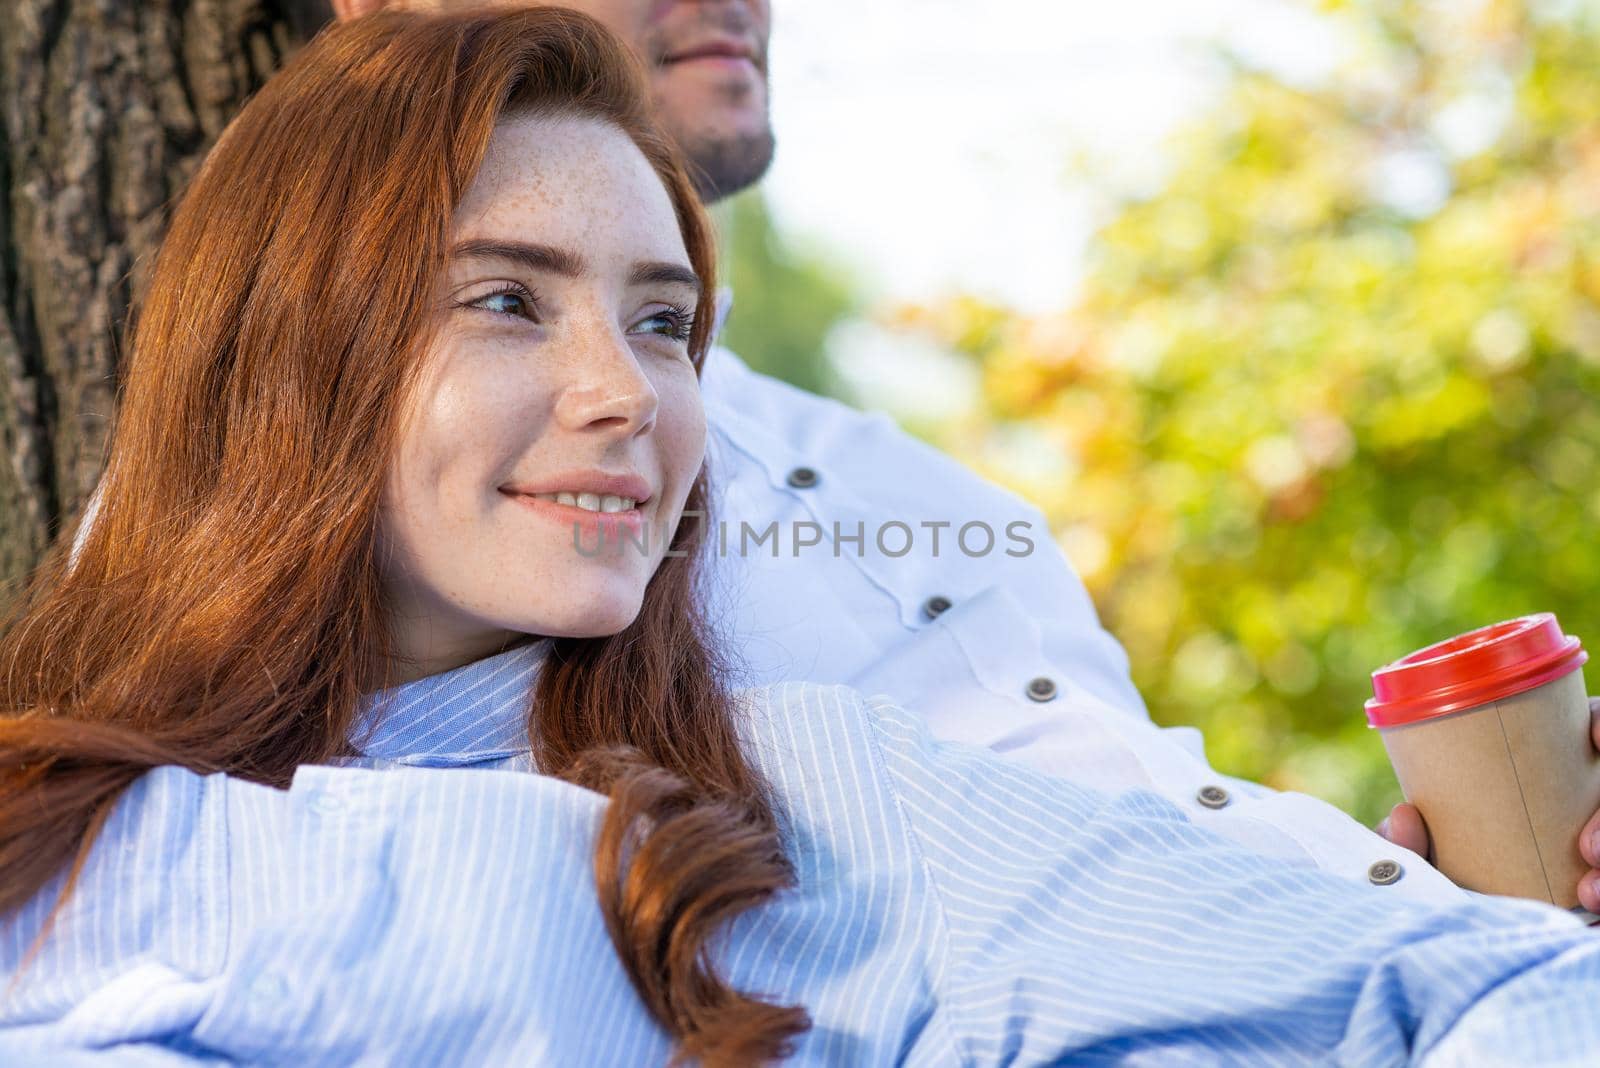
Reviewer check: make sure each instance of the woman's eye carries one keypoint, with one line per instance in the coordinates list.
(675, 323)
(514, 301)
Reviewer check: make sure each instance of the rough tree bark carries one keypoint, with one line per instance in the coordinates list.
(108, 105)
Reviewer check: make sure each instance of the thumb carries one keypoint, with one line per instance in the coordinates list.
(1404, 827)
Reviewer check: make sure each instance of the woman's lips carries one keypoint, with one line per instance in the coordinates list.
(589, 527)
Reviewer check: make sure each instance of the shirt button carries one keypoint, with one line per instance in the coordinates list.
(935, 606)
(803, 478)
(1042, 688)
(326, 804)
(1213, 797)
(1384, 872)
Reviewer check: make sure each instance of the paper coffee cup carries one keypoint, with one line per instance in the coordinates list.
(1488, 733)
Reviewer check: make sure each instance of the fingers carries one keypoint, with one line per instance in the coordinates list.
(1405, 827)
(1589, 848)
(1589, 841)
(1589, 837)
(1589, 892)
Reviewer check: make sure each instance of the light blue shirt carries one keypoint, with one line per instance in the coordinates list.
(952, 908)
(1008, 629)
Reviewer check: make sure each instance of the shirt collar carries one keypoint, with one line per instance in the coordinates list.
(724, 305)
(474, 713)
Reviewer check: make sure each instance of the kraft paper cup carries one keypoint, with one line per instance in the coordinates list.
(1488, 733)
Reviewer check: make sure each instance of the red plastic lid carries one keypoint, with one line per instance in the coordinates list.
(1473, 669)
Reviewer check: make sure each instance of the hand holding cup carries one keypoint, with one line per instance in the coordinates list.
(1405, 827)
(1497, 751)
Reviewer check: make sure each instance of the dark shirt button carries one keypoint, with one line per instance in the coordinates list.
(803, 478)
(935, 606)
(1213, 797)
(1042, 688)
(1384, 872)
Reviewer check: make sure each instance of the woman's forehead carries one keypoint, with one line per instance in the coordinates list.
(570, 180)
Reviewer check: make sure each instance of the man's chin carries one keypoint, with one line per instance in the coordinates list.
(721, 127)
(723, 162)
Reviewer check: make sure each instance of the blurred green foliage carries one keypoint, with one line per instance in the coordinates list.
(786, 299)
(1331, 393)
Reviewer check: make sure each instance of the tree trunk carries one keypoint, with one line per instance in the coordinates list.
(108, 107)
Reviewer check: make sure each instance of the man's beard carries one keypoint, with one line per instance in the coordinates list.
(721, 166)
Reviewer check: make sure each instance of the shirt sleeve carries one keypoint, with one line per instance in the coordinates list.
(131, 953)
(1077, 737)
(404, 916)
(1110, 926)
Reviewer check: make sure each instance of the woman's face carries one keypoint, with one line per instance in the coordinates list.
(556, 428)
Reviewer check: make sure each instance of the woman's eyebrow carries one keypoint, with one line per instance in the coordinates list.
(662, 273)
(553, 259)
(545, 259)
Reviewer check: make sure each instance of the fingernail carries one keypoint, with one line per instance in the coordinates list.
(1587, 896)
(1593, 852)
(1383, 827)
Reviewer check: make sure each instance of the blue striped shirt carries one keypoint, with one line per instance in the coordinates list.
(951, 908)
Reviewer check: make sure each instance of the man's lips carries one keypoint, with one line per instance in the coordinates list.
(724, 49)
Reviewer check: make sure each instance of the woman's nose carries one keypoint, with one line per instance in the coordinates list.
(607, 389)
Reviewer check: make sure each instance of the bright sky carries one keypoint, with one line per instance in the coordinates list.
(926, 142)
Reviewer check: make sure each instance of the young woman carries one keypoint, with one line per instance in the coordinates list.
(399, 484)
(342, 416)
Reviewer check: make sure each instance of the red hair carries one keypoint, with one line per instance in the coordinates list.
(224, 611)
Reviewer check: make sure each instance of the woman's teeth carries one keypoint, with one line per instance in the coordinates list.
(592, 502)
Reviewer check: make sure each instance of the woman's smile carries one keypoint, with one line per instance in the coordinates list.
(596, 526)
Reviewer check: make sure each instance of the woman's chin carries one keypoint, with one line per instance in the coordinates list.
(598, 617)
